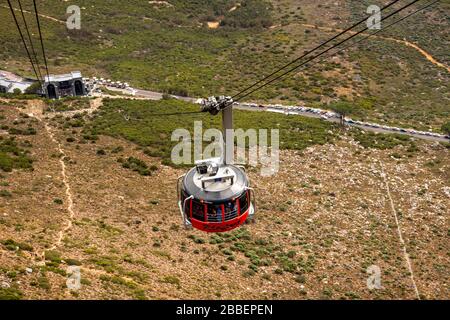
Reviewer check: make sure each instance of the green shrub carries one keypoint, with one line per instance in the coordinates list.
(153, 133)
(10, 294)
(5, 194)
(101, 152)
(43, 283)
(446, 128)
(13, 157)
(13, 245)
(53, 256)
(137, 165)
(172, 280)
(72, 262)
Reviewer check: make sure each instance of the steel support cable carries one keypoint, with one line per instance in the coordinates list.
(23, 40)
(375, 33)
(40, 37)
(30, 40)
(322, 53)
(311, 51)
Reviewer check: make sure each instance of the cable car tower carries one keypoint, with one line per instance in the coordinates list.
(215, 195)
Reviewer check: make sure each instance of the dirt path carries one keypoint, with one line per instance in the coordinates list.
(69, 196)
(34, 109)
(402, 241)
(427, 55)
(41, 15)
(94, 105)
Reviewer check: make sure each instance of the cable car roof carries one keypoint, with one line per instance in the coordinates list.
(229, 183)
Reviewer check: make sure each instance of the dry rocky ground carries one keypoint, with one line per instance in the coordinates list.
(322, 221)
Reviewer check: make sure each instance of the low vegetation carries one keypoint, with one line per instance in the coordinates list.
(383, 141)
(261, 252)
(136, 165)
(12, 156)
(12, 245)
(10, 294)
(67, 104)
(144, 123)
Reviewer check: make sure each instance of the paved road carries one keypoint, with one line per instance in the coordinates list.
(337, 120)
(152, 95)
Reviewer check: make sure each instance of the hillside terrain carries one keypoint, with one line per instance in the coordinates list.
(171, 47)
(322, 220)
(89, 182)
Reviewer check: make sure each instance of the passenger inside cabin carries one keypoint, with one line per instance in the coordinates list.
(219, 211)
(230, 207)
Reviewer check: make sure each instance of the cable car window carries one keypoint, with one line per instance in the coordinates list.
(231, 211)
(214, 213)
(198, 210)
(243, 203)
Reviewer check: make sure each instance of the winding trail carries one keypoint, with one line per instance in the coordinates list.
(402, 241)
(39, 258)
(36, 112)
(426, 54)
(40, 15)
(69, 196)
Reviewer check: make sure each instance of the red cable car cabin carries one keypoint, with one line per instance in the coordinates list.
(216, 199)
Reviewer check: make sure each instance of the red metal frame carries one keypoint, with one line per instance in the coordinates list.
(223, 226)
(238, 207)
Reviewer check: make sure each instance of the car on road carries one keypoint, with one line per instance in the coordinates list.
(437, 135)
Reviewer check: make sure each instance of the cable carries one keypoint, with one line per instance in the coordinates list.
(352, 44)
(175, 114)
(29, 39)
(336, 45)
(164, 115)
(378, 31)
(310, 51)
(40, 36)
(23, 40)
(323, 52)
(375, 33)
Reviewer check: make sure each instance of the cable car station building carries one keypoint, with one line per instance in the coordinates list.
(64, 85)
(9, 85)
